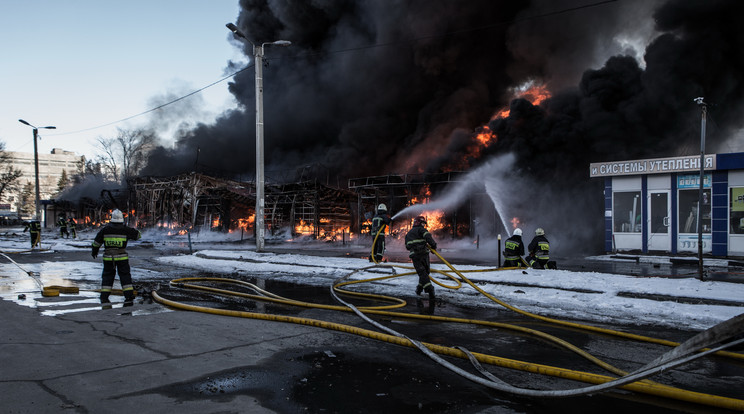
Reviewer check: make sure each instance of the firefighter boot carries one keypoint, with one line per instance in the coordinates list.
(128, 298)
(419, 288)
(430, 290)
(105, 297)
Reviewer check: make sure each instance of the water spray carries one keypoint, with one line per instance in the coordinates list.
(490, 175)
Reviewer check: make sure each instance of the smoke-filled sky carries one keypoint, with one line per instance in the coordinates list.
(371, 88)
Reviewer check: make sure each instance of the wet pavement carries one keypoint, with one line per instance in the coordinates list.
(149, 358)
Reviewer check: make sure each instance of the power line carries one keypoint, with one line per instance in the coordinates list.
(159, 106)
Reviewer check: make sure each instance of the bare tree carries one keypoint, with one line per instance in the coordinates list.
(135, 145)
(108, 160)
(8, 175)
(126, 154)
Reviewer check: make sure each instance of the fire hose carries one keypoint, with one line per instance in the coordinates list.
(629, 381)
(47, 291)
(584, 327)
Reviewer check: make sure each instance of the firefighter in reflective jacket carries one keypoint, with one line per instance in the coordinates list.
(62, 223)
(539, 249)
(34, 229)
(114, 239)
(514, 250)
(379, 222)
(418, 242)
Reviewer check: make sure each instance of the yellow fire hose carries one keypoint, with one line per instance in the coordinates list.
(645, 387)
(46, 291)
(574, 325)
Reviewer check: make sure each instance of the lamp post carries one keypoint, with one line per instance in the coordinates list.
(258, 55)
(704, 108)
(36, 164)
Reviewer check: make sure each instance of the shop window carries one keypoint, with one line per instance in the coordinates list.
(688, 205)
(736, 210)
(626, 212)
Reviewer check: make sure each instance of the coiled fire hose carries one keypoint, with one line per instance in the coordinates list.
(574, 325)
(630, 382)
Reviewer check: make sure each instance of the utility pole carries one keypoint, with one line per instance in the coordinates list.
(704, 109)
(258, 55)
(36, 167)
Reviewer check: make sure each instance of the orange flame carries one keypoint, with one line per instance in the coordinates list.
(515, 222)
(303, 228)
(434, 218)
(534, 93)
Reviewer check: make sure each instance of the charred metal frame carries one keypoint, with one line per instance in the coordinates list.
(196, 201)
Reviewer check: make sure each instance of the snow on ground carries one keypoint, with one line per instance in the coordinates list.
(561, 294)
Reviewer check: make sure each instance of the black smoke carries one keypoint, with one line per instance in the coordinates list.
(371, 88)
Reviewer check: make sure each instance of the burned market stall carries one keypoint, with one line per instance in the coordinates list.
(197, 201)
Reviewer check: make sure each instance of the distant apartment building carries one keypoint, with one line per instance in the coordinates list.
(51, 167)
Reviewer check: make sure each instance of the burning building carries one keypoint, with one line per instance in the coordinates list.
(399, 191)
(430, 87)
(192, 202)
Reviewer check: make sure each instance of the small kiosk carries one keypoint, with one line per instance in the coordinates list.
(652, 205)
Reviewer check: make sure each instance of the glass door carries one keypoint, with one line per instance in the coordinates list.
(659, 217)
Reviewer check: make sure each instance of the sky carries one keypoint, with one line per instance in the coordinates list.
(562, 294)
(81, 64)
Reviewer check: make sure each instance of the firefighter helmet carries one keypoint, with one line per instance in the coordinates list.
(517, 232)
(117, 216)
(382, 207)
(539, 232)
(419, 221)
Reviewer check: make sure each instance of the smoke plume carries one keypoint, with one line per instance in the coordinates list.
(372, 88)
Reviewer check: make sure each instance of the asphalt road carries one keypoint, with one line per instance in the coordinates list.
(150, 358)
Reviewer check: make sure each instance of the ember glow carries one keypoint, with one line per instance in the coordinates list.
(515, 222)
(434, 218)
(245, 223)
(304, 228)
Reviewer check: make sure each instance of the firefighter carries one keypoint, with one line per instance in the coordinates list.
(379, 222)
(72, 224)
(113, 237)
(514, 250)
(418, 242)
(34, 230)
(539, 249)
(62, 223)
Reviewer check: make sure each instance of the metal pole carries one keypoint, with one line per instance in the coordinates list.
(36, 171)
(258, 54)
(700, 188)
(498, 249)
(259, 222)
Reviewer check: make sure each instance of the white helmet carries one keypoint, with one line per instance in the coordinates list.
(539, 232)
(116, 216)
(517, 232)
(382, 207)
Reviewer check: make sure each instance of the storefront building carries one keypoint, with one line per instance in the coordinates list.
(652, 205)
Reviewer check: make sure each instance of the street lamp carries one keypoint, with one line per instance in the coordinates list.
(258, 55)
(36, 164)
(704, 108)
